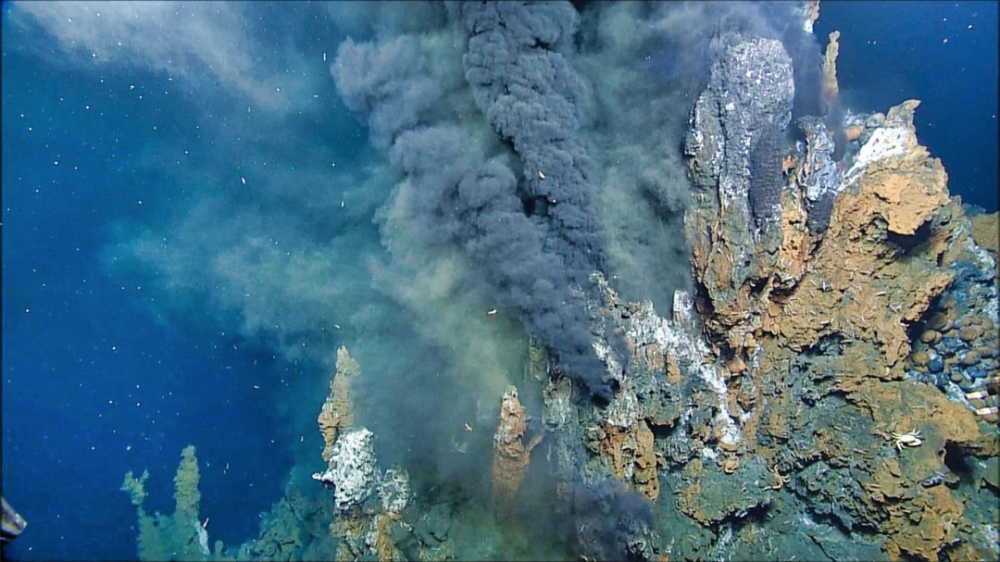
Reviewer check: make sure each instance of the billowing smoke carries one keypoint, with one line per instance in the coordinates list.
(463, 186)
(613, 522)
(532, 98)
(491, 114)
(284, 231)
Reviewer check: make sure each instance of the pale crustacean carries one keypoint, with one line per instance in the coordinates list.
(911, 439)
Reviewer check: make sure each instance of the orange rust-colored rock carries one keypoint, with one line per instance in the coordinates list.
(631, 454)
(796, 243)
(688, 502)
(384, 547)
(646, 476)
(918, 528)
(337, 413)
(787, 164)
(907, 198)
(858, 285)
(884, 258)
(674, 375)
(892, 192)
(510, 456)
(910, 187)
(918, 521)
(986, 231)
(902, 406)
(854, 132)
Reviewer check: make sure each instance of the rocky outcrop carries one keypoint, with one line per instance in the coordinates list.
(368, 502)
(669, 382)
(734, 130)
(823, 392)
(510, 455)
(296, 528)
(819, 179)
(830, 86)
(985, 232)
(842, 265)
(337, 414)
(351, 472)
(182, 535)
(866, 247)
(800, 386)
(735, 161)
(955, 344)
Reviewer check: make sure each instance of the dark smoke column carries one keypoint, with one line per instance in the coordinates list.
(530, 95)
(460, 194)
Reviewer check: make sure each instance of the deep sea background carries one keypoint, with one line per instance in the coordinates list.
(95, 383)
(893, 51)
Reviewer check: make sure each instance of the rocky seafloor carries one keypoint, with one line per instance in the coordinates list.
(828, 391)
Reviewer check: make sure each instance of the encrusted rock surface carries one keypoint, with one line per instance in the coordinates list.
(337, 414)
(734, 129)
(352, 472)
(822, 334)
(296, 528)
(510, 455)
(394, 490)
(830, 86)
(790, 399)
(985, 231)
(178, 536)
(369, 503)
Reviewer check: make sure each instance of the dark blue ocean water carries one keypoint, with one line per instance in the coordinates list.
(97, 381)
(942, 53)
(93, 384)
